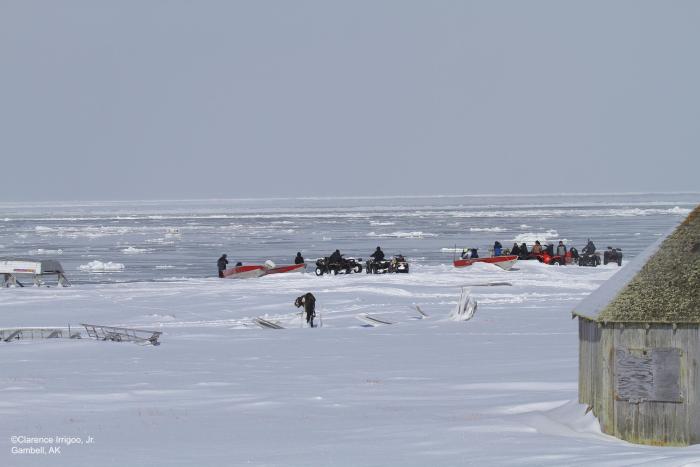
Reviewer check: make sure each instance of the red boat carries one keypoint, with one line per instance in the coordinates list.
(503, 262)
(242, 272)
(286, 268)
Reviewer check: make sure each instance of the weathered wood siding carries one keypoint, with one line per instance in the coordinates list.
(648, 422)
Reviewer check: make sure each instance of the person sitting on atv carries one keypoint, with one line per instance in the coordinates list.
(589, 249)
(536, 248)
(378, 255)
(523, 251)
(497, 248)
(515, 250)
(561, 249)
(299, 259)
(335, 257)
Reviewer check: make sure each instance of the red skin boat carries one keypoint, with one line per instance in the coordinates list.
(257, 270)
(241, 272)
(286, 268)
(504, 262)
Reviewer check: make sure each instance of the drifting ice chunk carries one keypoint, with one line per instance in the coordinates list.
(99, 266)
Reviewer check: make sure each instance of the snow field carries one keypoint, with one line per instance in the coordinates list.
(499, 389)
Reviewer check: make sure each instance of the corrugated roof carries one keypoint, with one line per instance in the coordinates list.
(662, 285)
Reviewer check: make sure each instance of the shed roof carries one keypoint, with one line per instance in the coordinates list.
(48, 266)
(662, 285)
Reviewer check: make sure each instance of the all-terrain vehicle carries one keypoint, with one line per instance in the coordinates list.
(612, 255)
(345, 266)
(589, 257)
(372, 266)
(397, 264)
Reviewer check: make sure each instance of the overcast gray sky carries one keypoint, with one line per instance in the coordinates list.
(190, 99)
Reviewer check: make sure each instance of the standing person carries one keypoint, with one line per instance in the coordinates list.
(299, 259)
(221, 265)
(308, 301)
(536, 248)
(378, 255)
(561, 249)
(497, 248)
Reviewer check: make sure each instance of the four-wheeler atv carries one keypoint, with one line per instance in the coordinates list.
(345, 266)
(397, 264)
(377, 267)
(547, 258)
(589, 259)
(612, 255)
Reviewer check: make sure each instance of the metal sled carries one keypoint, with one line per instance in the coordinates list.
(115, 334)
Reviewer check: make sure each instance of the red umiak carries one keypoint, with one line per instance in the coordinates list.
(240, 272)
(287, 268)
(505, 262)
(257, 270)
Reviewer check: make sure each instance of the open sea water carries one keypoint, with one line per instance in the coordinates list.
(166, 240)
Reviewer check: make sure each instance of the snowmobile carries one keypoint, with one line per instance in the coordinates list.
(612, 255)
(345, 266)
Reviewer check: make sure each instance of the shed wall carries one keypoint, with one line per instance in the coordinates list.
(647, 422)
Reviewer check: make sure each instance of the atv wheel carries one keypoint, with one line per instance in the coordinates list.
(555, 263)
(319, 271)
(357, 268)
(334, 272)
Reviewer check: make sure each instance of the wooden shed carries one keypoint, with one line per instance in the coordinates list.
(639, 344)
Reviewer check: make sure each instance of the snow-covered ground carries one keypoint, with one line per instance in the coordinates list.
(500, 389)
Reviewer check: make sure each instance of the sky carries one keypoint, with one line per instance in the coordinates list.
(104, 100)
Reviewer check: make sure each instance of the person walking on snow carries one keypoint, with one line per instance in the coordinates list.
(308, 301)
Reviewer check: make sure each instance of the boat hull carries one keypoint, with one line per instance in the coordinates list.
(242, 272)
(503, 262)
(287, 268)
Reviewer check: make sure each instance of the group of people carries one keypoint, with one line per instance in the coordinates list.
(522, 252)
(335, 257)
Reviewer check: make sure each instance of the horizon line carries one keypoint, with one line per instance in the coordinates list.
(351, 197)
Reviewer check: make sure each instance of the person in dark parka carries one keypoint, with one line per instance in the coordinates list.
(221, 265)
(378, 254)
(299, 259)
(336, 257)
(308, 301)
(523, 251)
(515, 250)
